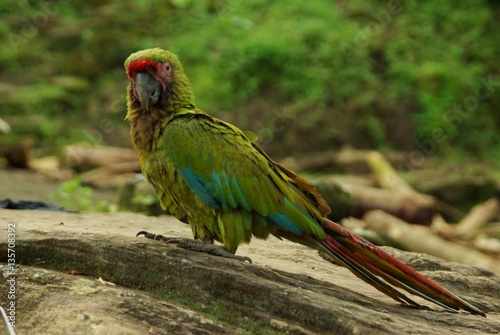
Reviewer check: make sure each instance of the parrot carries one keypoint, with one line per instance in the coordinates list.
(213, 176)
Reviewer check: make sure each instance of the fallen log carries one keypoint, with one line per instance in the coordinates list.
(50, 166)
(18, 154)
(82, 157)
(111, 176)
(423, 239)
(385, 175)
(488, 245)
(4, 127)
(471, 225)
(388, 178)
(347, 160)
(366, 198)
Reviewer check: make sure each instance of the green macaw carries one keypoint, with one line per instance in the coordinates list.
(212, 175)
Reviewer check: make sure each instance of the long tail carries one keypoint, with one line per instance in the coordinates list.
(385, 272)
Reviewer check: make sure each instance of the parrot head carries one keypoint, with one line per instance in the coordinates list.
(157, 79)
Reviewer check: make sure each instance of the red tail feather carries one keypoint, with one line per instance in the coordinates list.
(385, 272)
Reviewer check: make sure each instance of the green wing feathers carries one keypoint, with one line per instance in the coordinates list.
(250, 193)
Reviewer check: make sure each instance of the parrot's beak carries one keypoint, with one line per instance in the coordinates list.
(148, 90)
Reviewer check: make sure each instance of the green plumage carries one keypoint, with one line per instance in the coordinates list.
(211, 173)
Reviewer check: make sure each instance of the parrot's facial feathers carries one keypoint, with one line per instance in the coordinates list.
(140, 65)
(161, 72)
(163, 84)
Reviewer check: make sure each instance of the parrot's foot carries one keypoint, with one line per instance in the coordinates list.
(195, 245)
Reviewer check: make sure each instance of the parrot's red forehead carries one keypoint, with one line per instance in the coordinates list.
(140, 65)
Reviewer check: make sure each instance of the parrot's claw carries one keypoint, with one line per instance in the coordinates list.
(195, 245)
(159, 237)
(201, 246)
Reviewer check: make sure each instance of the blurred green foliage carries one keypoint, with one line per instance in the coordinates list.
(304, 75)
(73, 196)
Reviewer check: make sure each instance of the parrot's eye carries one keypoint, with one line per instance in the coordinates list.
(167, 67)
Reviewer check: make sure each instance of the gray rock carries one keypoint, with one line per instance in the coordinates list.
(169, 290)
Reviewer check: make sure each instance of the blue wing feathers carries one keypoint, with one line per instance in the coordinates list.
(294, 219)
(220, 192)
(284, 222)
(199, 187)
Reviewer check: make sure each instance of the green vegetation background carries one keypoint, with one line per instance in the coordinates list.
(304, 75)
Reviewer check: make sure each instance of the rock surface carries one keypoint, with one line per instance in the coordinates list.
(148, 287)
